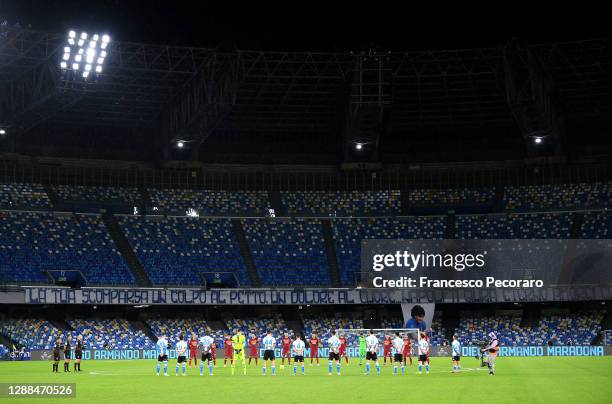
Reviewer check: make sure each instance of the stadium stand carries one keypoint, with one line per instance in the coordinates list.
(597, 225)
(31, 333)
(288, 252)
(581, 328)
(31, 243)
(341, 203)
(562, 196)
(210, 203)
(450, 196)
(520, 226)
(3, 351)
(174, 250)
(97, 194)
(348, 234)
(23, 195)
(109, 334)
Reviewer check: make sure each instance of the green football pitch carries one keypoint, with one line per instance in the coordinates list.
(533, 380)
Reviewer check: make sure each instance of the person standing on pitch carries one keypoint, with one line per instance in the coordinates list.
(372, 354)
(314, 348)
(492, 348)
(298, 352)
(456, 354)
(193, 350)
(78, 353)
(423, 353)
(206, 343)
(269, 343)
(57, 349)
(238, 343)
(67, 354)
(162, 354)
(362, 348)
(181, 351)
(398, 347)
(334, 353)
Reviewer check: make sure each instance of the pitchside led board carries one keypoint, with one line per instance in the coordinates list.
(476, 264)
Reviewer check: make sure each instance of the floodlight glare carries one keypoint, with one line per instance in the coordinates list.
(88, 51)
(358, 146)
(537, 140)
(180, 144)
(2, 132)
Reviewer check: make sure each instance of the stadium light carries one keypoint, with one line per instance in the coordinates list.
(180, 144)
(359, 146)
(537, 140)
(83, 47)
(2, 132)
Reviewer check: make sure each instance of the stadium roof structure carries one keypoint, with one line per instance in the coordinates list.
(188, 93)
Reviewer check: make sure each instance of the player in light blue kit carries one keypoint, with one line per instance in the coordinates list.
(298, 354)
(456, 346)
(334, 353)
(269, 344)
(206, 342)
(181, 352)
(162, 354)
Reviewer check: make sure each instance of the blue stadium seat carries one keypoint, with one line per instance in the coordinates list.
(21, 195)
(341, 203)
(175, 250)
(31, 243)
(211, 203)
(288, 252)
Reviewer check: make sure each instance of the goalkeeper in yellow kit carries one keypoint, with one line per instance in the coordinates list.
(238, 343)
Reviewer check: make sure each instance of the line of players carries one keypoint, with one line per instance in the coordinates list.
(235, 347)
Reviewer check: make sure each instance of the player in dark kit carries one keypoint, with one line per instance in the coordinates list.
(78, 353)
(342, 352)
(193, 350)
(253, 349)
(387, 343)
(57, 349)
(286, 350)
(229, 352)
(67, 355)
(314, 348)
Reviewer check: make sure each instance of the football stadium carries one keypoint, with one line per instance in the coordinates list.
(243, 203)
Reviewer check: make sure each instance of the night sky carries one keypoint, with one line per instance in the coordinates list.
(309, 25)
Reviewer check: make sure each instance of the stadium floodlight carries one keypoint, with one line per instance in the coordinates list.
(85, 74)
(2, 131)
(180, 144)
(79, 49)
(537, 140)
(359, 146)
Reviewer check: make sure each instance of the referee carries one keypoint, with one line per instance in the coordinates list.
(78, 353)
(67, 354)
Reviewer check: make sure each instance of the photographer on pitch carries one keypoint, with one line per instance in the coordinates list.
(492, 348)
